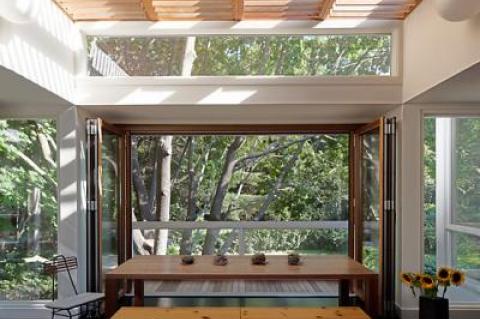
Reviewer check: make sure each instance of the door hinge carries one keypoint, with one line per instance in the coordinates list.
(389, 205)
(91, 205)
(389, 129)
(92, 128)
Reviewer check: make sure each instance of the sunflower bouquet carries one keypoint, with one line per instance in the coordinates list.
(430, 285)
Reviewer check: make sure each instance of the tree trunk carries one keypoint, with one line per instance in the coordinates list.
(186, 243)
(278, 183)
(189, 57)
(221, 192)
(140, 244)
(163, 193)
(139, 185)
(195, 179)
(34, 211)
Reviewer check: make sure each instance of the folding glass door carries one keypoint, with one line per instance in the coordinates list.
(374, 203)
(105, 171)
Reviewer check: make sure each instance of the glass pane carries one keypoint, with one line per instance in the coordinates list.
(370, 192)
(430, 204)
(110, 199)
(304, 242)
(217, 55)
(467, 171)
(28, 207)
(466, 255)
(238, 178)
(451, 153)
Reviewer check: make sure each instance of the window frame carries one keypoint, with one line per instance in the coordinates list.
(247, 28)
(239, 129)
(446, 229)
(38, 304)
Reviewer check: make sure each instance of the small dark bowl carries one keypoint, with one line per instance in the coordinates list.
(188, 260)
(259, 259)
(294, 259)
(220, 260)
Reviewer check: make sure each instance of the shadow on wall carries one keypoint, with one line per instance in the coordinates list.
(42, 47)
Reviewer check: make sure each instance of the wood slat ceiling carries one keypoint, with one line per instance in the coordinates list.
(234, 10)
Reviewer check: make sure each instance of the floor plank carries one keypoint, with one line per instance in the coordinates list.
(177, 313)
(242, 288)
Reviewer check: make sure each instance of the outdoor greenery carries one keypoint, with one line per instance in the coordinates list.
(293, 55)
(466, 157)
(241, 178)
(28, 207)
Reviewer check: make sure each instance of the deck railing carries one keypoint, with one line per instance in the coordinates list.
(241, 226)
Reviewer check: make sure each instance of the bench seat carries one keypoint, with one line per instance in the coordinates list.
(240, 313)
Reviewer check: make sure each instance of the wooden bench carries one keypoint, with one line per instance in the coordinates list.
(240, 313)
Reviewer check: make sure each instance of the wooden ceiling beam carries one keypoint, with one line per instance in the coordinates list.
(149, 10)
(234, 10)
(238, 9)
(325, 9)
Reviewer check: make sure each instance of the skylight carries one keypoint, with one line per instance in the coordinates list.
(241, 55)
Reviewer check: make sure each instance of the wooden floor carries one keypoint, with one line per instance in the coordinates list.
(243, 288)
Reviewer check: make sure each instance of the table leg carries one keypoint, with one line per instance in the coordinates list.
(139, 292)
(343, 292)
(111, 297)
(371, 297)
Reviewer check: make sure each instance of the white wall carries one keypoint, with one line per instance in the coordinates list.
(72, 192)
(42, 50)
(436, 49)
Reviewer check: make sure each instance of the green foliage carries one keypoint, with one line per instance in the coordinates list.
(315, 188)
(466, 171)
(300, 55)
(24, 167)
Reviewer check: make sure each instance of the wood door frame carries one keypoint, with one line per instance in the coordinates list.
(241, 129)
(365, 129)
(94, 190)
(379, 125)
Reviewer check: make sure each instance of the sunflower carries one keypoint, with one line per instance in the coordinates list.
(457, 277)
(406, 278)
(427, 282)
(443, 275)
(417, 278)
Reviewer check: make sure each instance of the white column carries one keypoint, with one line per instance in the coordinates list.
(71, 191)
(445, 188)
(410, 217)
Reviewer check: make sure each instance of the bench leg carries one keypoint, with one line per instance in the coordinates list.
(371, 297)
(111, 297)
(139, 293)
(343, 292)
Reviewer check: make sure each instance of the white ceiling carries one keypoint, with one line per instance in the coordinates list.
(20, 97)
(461, 88)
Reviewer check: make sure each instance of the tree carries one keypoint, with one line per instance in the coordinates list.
(218, 178)
(305, 55)
(28, 206)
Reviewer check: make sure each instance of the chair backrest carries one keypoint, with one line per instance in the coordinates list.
(60, 264)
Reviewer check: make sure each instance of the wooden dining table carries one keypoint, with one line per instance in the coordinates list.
(163, 268)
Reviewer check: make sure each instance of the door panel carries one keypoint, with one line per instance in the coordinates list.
(368, 195)
(371, 197)
(104, 200)
(374, 211)
(110, 199)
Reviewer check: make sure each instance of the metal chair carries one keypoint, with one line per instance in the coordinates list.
(80, 303)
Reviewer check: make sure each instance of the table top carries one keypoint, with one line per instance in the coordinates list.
(240, 267)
